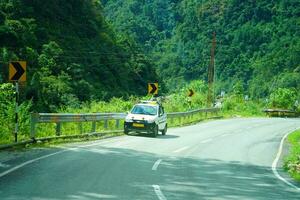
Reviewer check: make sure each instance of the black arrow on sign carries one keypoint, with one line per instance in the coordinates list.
(154, 88)
(191, 93)
(19, 71)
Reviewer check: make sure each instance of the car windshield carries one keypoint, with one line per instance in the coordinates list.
(144, 110)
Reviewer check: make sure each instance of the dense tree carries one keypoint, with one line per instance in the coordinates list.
(72, 53)
(257, 41)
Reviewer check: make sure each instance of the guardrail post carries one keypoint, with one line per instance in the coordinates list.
(33, 121)
(117, 123)
(58, 128)
(105, 124)
(80, 127)
(93, 127)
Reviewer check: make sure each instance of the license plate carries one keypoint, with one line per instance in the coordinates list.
(138, 125)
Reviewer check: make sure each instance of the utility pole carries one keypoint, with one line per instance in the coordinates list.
(211, 73)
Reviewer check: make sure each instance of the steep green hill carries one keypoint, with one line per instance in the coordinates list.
(258, 42)
(72, 53)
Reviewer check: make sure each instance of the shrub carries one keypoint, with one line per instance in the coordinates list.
(283, 98)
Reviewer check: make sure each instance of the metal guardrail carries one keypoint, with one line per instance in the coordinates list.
(190, 114)
(280, 112)
(59, 118)
(193, 112)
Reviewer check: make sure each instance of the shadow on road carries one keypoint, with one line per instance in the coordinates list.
(158, 136)
(114, 173)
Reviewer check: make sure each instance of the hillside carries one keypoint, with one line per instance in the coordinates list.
(72, 53)
(258, 42)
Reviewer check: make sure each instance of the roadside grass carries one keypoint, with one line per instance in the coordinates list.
(236, 106)
(292, 161)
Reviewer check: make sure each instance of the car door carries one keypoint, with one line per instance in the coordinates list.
(162, 118)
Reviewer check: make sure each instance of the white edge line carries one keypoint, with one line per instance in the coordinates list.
(158, 192)
(181, 149)
(205, 141)
(46, 156)
(275, 162)
(29, 162)
(224, 135)
(155, 166)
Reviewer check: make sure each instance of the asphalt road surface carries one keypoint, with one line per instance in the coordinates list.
(223, 159)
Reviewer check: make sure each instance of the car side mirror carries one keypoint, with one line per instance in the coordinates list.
(127, 112)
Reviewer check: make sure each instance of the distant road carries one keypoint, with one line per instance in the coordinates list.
(223, 159)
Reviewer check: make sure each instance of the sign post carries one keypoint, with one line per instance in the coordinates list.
(17, 72)
(16, 111)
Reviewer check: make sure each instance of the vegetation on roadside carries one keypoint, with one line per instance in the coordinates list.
(292, 161)
(7, 114)
(232, 105)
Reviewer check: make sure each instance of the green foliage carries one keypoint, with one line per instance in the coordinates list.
(258, 43)
(292, 160)
(234, 105)
(179, 101)
(72, 53)
(7, 115)
(7, 107)
(283, 98)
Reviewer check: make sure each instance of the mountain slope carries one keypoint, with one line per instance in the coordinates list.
(71, 52)
(258, 43)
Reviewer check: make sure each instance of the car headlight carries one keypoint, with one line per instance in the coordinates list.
(150, 121)
(128, 120)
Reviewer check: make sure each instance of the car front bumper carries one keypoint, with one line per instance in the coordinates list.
(140, 126)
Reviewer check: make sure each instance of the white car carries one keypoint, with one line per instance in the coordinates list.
(146, 117)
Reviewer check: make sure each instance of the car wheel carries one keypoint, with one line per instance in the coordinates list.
(126, 131)
(155, 131)
(165, 130)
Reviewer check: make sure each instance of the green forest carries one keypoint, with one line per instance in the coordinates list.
(258, 42)
(72, 53)
(93, 50)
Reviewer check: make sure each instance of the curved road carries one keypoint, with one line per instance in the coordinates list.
(223, 159)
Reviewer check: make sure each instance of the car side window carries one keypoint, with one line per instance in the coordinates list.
(161, 111)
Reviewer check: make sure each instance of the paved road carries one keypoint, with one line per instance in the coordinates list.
(224, 159)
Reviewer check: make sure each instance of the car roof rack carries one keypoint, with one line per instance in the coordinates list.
(153, 100)
(148, 102)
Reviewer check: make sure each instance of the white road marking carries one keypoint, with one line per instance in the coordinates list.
(46, 156)
(158, 192)
(181, 149)
(275, 162)
(29, 162)
(224, 135)
(118, 144)
(205, 141)
(155, 166)
(4, 165)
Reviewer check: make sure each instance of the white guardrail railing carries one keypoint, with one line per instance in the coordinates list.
(59, 118)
